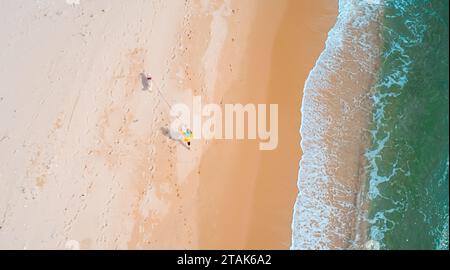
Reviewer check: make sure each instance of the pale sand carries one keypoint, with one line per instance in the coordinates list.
(84, 157)
(83, 154)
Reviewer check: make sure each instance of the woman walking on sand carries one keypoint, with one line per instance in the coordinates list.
(187, 135)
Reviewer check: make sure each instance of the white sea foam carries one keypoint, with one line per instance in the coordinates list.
(324, 202)
(397, 78)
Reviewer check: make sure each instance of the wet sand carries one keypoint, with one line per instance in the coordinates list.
(246, 196)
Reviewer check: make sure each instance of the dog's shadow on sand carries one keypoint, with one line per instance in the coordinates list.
(166, 132)
(144, 81)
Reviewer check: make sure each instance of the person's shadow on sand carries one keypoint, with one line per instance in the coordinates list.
(144, 81)
(166, 132)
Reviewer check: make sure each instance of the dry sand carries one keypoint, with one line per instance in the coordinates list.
(85, 160)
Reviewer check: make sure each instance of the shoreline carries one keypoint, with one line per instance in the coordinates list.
(330, 208)
(256, 189)
(89, 160)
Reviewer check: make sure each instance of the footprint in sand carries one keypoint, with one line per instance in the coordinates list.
(72, 245)
(73, 2)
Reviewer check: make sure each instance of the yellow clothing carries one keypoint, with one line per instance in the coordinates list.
(187, 135)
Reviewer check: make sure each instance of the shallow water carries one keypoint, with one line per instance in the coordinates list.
(409, 153)
(399, 185)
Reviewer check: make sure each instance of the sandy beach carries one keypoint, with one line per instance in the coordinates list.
(254, 191)
(86, 162)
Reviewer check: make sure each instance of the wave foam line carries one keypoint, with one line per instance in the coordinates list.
(334, 116)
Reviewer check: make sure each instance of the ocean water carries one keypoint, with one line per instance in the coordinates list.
(409, 152)
(375, 141)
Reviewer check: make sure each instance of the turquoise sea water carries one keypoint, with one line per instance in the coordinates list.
(409, 152)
